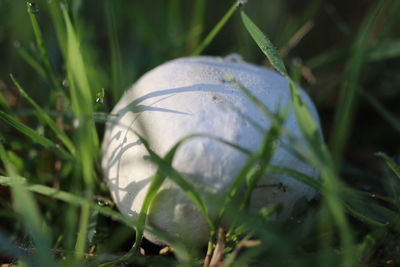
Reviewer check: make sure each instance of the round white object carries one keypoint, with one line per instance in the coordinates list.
(193, 96)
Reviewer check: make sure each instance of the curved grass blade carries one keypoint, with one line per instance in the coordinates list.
(265, 44)
(175, 176)
(160, 177)
(384, 50)
(264, 109)
(264, 157)
(42, 115)
(318, 153)
(392, 165)
(363, 217)
(65, 197)
(303, 115)
(155, 185)
(253, 170)
(37, 138)
(75, 200)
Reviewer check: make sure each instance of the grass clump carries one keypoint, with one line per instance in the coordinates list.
(70, 64)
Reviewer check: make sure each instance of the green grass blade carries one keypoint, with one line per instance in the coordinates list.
(81, 95)
(317, 152)
(265, 155)
(42, 115)
(301, 177)
(262, 157)
(385, 113)
(303, 115)
(307, 124)
(82, 105)
(265, 44)
(392, 165)
(217, 28)
(66, 197)
(32, 11)
(7, 181)
(9, 167)
(37, 138)
(176, 177)
(81, 201)
(346, 107)
(25, 55)
(165, 170)
(264, 109)
(27, 208)
(384, 50)
(32, 134)
(154, 186)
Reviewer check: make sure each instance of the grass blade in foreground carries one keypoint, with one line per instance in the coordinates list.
(35, 136)
(384, 50)
(82, 105)
(175, 176)
(45, 117)
(156, 183)
(26, 207)
(65, 197)
(318, 154)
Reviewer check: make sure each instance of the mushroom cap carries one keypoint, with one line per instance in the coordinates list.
(193, 96)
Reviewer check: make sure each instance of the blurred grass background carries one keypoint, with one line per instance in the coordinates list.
(120, 40)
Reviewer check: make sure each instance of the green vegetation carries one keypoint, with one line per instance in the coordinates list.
(65, 63)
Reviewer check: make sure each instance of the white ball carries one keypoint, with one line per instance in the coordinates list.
(193, 96)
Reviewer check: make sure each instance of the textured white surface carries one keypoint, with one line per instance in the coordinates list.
(192, 95)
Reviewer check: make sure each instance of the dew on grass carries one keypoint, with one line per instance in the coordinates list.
(100, 96)
(76, 123)
(33, 7)
(65, 83)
